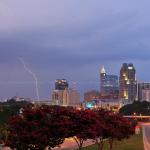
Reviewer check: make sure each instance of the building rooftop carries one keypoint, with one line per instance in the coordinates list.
(103, 70)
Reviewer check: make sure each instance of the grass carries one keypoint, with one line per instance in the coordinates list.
(133, 143)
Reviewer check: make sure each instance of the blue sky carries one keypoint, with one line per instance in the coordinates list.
(70, 39)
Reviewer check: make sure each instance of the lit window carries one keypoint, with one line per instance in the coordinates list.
(130, 68)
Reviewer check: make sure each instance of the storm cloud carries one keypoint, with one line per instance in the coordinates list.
(70, 39)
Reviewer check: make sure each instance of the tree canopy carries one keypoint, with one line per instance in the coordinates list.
(10, 108)
(136, 108)
(48, 126)
(38, 128)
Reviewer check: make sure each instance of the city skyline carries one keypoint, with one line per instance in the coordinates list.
(71, 40)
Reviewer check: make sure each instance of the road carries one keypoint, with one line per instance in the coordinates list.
(69, 144)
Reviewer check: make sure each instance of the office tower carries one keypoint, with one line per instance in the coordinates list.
(144, 91)
(127, 82)
(61, 84)
(91, 95)
(57, 93)
(71, 97)
(102, 80)
(63, 95)
(57, 97)
(109, 85)
(67, 97)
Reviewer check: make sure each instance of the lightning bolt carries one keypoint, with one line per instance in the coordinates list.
(33, 75)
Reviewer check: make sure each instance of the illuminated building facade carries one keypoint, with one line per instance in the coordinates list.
(109, 85)
(146, 95)
(63, 95)
(61, 84)
(127, 82)
(57, 93)
(67, 97)
(57, 97)
(71, 97)
(91, 95)
(143, 91)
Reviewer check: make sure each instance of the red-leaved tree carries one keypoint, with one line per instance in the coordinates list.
(113, 127)
(120, 128)
(84, 126)
(48, 126)
(101, 128)
(38, 128)
(117, 127)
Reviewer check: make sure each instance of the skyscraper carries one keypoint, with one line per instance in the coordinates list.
(63, 95)
(108, 85)
(127, 82)
(57, 93)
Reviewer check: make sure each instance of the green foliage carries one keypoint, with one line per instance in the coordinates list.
(3, 133)
(137, 107)
(10, 108)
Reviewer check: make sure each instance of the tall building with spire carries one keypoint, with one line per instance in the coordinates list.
(103, 80)
(108, 85)
(127, 82)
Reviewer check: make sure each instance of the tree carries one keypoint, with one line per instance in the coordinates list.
(101, 128)
(137, 107)
(3, 133)
(10, 108)
(84, 126)
(48, 126)
(38, 128)
(118, 128)
(113, 127)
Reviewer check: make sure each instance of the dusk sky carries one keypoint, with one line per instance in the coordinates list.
(70, 39)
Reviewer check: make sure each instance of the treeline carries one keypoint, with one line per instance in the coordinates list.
(10, 108)
(136, 108)
(48, 126)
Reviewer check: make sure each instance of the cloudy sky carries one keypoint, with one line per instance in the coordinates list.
(70, 39)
